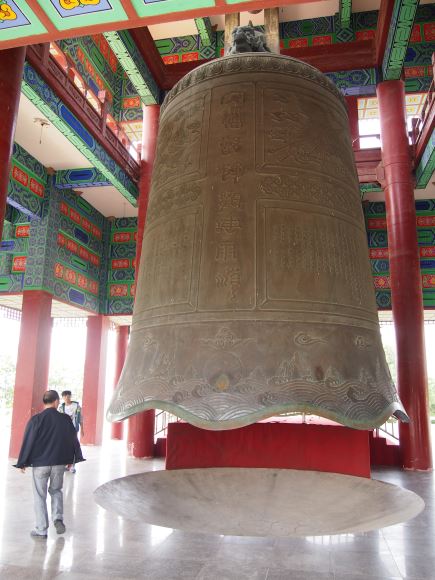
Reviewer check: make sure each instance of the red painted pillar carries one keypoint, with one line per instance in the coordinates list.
(31, 378)
(11, 74)
(121, 351)
(406, 289)
(94, 379)
(141, 426)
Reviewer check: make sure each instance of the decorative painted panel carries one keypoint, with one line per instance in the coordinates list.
(28, 179)
(355, 82)
(66, 14)
(13, 252)
(378, 250)
(122, 263)
(67, 239)
(17, 20)
(80, 178)
(188, 48)
(130, 110)
(155, 7)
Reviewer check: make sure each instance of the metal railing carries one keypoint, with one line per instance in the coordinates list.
(98, 102)
(390, 429)
(161, 422)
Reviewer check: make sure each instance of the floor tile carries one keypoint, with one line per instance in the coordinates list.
(365, 564)
(101, 545)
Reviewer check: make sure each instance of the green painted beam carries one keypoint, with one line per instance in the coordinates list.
(402, 22)
(205, 30)
(134, 66)
(345, 13)
(369, 188)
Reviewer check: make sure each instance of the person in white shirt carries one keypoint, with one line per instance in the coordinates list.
(74, 411)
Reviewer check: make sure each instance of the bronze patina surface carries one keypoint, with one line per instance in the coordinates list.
(255, 295)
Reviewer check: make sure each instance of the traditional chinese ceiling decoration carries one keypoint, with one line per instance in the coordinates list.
(33, 21)
(368, 108)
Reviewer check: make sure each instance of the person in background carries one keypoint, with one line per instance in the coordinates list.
(74, 411)
(50, 442)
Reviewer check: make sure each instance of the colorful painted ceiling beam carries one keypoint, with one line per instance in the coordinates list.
(345, 13)
(27, 183)
(373, 187)
(205, 30)
(134, 66)
(383, 29)
(426, 167)
(80, 178)
(36, 21)
(46, 101)
(402, 22)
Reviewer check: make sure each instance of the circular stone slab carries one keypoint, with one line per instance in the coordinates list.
(259, 502)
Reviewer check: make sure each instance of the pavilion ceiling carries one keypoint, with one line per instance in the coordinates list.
(33, 21)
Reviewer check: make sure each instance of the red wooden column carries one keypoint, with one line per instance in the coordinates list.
(11, 74)
(94, 379)
(141, 426)
(121, 351)
(406, 289)
(31, 378)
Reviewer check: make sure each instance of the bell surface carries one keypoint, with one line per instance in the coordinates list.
(255, 295)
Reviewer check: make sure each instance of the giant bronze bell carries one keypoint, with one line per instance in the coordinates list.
(255, 295)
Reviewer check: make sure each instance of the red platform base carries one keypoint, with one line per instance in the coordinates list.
(317, 447)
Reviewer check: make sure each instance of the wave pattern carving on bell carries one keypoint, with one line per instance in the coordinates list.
(255, 295)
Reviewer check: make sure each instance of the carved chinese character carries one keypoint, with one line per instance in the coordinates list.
(232, 171)
(229, 279)
(232, 110)
(229, 145)
(226, 252)
(229, 200)
(227, 225)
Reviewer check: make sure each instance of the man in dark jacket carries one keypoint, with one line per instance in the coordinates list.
(50, 442)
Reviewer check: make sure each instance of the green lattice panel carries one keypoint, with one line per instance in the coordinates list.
(399, 35)
(129, 58)
(345, 13)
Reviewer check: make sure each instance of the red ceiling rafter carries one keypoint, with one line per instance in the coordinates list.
(148, 49)
(129, 9)
(341, 56)
(383, 28)
(45, 20)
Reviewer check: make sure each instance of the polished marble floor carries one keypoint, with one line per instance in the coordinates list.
(100, 544)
